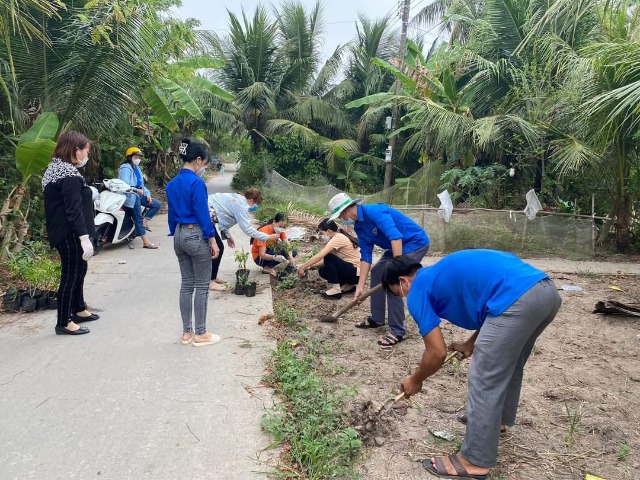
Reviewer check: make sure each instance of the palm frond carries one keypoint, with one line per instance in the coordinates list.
(571, 155)
(287, 127)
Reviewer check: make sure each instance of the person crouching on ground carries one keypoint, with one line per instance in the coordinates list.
(130, 173)
(194, 241)
(378, 224)
(268, 254)
(508, 303)
(338, 261)
(229, 209)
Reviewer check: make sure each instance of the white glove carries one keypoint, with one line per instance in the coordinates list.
(279, 258)
(87, 247)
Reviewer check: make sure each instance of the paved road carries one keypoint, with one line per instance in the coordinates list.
(128, 401)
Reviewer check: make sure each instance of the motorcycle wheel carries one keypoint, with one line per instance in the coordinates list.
(100, 238)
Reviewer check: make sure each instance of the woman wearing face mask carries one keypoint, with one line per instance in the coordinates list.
(338, 261)
(130, 173)
(227, 210)
(268, 254)
(68, 207)
(194, 241)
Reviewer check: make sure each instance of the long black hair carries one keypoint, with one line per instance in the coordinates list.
(280, 216)
(190, 150)
(326, 224)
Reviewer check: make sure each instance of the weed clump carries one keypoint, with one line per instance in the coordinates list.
(319, 442)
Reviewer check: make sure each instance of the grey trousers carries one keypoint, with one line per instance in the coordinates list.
(194, 257)
(394, 304)
(502, 348)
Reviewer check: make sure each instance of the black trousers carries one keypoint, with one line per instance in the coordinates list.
(71, 290)
(336, 270)
(215, 263)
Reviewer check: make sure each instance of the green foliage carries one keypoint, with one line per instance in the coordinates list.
(33, 157)
(476, 186)
(241, 257)
(289, 155)
(623, 451)
(309, 419)
(287, 282)
(35, 266)
(251, 169)
(286, 316)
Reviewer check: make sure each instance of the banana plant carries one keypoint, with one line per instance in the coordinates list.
(33, 152)
(164, 98)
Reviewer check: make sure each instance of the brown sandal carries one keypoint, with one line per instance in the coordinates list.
(440, 469)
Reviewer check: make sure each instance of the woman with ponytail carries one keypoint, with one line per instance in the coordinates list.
(338, 261)
(194, 241)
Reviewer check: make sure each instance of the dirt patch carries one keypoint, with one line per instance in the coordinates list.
(580, 405)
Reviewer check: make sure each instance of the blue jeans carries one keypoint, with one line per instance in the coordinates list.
(194, 257)
(136, 216)
(152, 208)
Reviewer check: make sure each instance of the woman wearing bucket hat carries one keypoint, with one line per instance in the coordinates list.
(379, 224)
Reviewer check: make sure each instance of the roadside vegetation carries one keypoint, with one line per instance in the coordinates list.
(308, 422)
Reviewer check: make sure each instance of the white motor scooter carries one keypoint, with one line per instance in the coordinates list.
(113, 223)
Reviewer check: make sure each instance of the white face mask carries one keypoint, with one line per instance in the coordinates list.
(278, 229)
(82, 163)
(136, 161)
(324, 238)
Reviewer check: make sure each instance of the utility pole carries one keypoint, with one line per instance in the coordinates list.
(388, 168)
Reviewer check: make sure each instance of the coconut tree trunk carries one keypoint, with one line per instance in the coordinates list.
(622, 208)
(622, 204)
(10, 228)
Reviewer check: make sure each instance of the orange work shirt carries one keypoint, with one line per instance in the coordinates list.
(255, 246)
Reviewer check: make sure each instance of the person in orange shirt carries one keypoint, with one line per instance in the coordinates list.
(268, 254)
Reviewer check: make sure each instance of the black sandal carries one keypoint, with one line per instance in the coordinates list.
(389, 340)
(369, 323)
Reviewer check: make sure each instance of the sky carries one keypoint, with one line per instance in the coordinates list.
(339, 15)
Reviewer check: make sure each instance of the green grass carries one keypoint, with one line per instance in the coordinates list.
(573, 423)
(623, 451)
(286, 316)
(308, 420)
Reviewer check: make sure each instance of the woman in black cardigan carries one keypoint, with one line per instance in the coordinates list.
(68, 207)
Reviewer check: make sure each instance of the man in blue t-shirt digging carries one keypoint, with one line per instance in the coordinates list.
(379, 224)
(508, 303)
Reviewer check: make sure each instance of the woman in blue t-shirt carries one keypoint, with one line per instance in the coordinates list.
(508, 303)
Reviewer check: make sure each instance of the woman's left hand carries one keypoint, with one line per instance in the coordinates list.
(215, 251)
(301, 271)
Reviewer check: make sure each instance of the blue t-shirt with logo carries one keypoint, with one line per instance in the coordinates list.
(468, 286)
(379, 224)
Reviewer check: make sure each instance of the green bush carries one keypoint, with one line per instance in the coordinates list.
(290, 156)
(35, 266)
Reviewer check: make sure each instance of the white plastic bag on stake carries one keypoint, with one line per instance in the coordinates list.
(533, 205)
(446, 206)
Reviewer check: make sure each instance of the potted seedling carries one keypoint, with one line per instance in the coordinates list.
(11, 300)
(250, 287)
(242, 274)
(241, 258)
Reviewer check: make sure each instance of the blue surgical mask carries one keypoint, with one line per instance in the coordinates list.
(252, 208)
(348, 223)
